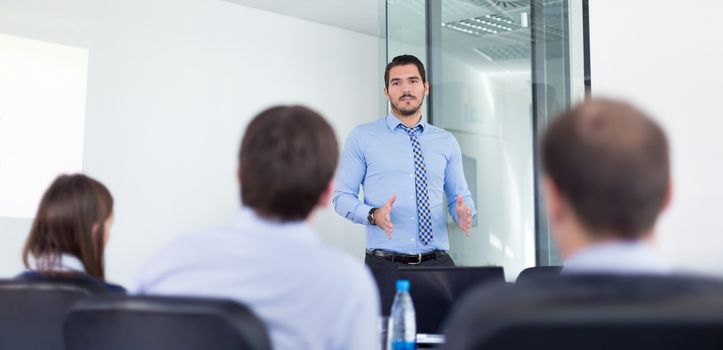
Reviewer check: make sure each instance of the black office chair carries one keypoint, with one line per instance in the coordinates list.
(434, 289)
(32, 313)
(150, 323)
(536, 272)
(690, 324)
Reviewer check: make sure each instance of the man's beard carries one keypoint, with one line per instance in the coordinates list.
(409, 110)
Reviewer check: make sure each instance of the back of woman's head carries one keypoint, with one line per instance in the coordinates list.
(70, 220)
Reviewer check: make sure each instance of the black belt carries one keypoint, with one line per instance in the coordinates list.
(411, 259)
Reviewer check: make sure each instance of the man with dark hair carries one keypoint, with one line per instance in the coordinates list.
(406, 167)
(606, 180)
(309, 296)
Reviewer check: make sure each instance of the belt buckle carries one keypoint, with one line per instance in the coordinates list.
(419, 260)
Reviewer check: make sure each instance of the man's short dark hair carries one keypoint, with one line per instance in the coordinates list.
(404, 60)
(288, 157)
(610, 161)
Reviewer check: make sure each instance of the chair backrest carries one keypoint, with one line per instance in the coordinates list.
(32, 312)
(435, 289)
(693, 324)
(598, 312)
(145, 323)
(538, 272)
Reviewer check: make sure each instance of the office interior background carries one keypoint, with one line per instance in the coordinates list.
(168, 87)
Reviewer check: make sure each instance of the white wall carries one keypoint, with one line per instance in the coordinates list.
(171, 86)
(667, 60)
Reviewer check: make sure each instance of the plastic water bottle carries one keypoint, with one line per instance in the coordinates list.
(402, 331)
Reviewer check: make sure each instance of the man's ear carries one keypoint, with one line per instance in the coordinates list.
(386, 94)
(558, 217)
(238, 174)
(553, 200)
(325, 197)
(668, 196)
(426, 88)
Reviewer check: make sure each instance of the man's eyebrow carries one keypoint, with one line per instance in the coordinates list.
(407, 77)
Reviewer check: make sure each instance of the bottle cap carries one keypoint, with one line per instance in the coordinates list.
(402, 285)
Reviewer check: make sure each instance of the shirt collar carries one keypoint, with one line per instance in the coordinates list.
(63, 263)
(625, 257)
(249, 221)
(393, 122)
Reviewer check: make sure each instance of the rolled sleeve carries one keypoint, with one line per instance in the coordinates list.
(455, 182)
(352, 169)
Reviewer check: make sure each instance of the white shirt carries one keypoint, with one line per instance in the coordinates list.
(618, 257)
(309, 296)
(63, 263)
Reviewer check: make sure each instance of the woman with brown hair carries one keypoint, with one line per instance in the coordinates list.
(68, 237)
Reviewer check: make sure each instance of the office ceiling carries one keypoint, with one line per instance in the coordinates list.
(485, 33)
(489, 35)
(357, 15)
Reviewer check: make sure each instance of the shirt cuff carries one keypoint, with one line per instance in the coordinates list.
(362, 214)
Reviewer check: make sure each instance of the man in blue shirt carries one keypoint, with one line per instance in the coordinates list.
(270, 258)
(407, 168)
(606, 177)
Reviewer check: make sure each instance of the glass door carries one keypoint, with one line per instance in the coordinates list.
(499, 70)
(482, 78)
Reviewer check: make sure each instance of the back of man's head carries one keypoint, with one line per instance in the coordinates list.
(609, 161)
(287, 160)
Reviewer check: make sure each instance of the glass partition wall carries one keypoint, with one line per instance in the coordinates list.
(499, 71)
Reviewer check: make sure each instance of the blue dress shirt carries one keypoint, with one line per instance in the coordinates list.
(309, 296)
(378, 156)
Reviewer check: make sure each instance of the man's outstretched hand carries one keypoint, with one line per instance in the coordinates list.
(383, 217)
(464, 216)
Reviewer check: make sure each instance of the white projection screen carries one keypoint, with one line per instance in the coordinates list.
(42, 119)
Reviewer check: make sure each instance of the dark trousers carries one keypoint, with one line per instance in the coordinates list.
(386, 274)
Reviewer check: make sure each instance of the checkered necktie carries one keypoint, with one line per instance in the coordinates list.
(424, 216)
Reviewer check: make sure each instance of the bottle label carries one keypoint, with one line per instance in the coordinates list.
(403, 345)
